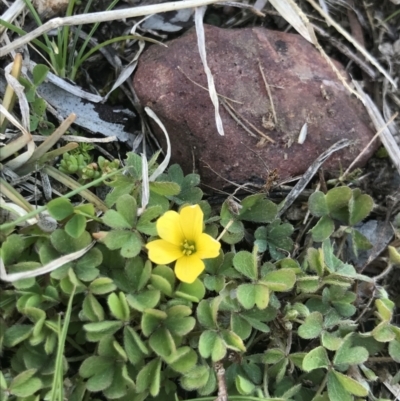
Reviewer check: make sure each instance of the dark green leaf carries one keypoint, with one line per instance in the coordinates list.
(114, 219)
(317, 204)
(165, 188)
(16, 334)
(257, 209)
(323, 229)
(76, 226)
(246, 263)
(337, 198)
(349, 355)
(60, 208)
(312, 326)
(162, 343)
(195, 378)
(317, 358)
(360, 206)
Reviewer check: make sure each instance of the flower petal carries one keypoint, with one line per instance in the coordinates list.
(207, 247)
(191, 220)
(188, 268)
(169, 228)
(163, 252)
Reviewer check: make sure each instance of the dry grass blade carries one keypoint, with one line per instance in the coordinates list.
(17, 144)
(309, 174)
(11, 193)
(16, 211)
(367, 146)
(9, 95)
(164, 164)
(47, 144)
(360, 48)
(145, 185)
(104, 16)
(201, 43)
(19, 90)
(53, 265)
(12, 12)
(289, 10)
(72, 184)
(386, 136)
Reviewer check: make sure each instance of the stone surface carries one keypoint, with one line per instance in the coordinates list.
(303, 88)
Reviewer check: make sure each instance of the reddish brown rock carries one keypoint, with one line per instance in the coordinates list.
(303, 88)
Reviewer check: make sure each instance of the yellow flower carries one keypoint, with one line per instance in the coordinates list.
(183, 240)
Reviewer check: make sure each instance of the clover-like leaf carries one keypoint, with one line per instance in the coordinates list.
(92, 308)
(149, 377)
(16, 334)
(349, 355)
(308, 284)
(195, 378)
(193, 292)
(129, 242)
(275, 238)
(165, 188)
(315, 359)
(312, 326)
(65, 244)
(360, 206)
(100, 372)
(144, 300)
(76, 226)
(134, 346)
(337, 198)
(146, 223)
(162, 342)
(119, 306)
(126, 206)
(331, 341)
(244, 386)
(323, 229)
(60, 208)
(280, 280)
(394, 350)
(348, 384)
(102, 285)
(183, 360)
(257, 209)
(394, 255)
(114, 219)
(315, 259)
(97, 330)
(246, 263)
(211, 344)
(240, 326)
(246, 294)
(151, 319)
(385, 308)
(317, 204)
(189, 192)
(24, 384)
(383, 332)
(206, 314)
(233, 341)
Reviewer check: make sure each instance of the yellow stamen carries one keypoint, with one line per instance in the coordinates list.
(188, 248)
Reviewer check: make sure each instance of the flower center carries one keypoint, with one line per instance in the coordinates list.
(188, 247)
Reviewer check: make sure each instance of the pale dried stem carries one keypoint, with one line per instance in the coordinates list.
(269, 93)
(249, 123)
(367, 147)
(103, 16)
(360, 48)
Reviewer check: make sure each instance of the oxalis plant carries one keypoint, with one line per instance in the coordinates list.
(178, 301)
